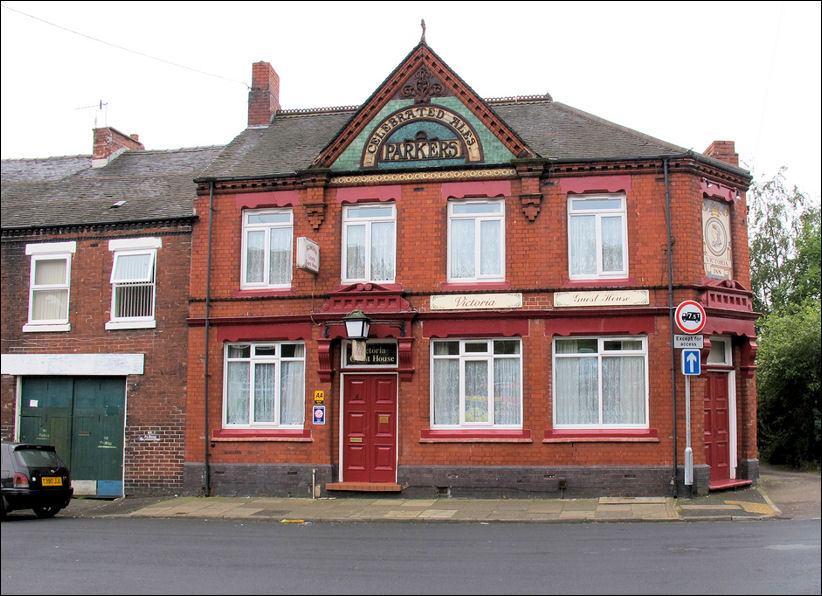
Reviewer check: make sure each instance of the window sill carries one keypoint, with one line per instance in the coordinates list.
(597, 282)
(131, 325)
(467, 286)
(604, 435)
(37, 327)
(475, 436)
(232, 435)
(248, 293)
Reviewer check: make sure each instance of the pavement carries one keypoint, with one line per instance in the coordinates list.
(781, 493)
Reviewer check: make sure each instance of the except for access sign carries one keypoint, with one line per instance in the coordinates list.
(691, 362)
(690, 316)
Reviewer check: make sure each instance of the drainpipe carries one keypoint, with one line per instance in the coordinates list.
(671, 308)
(207, 476)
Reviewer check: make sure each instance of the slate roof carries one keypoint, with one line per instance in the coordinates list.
(63, 191)
(551, 129)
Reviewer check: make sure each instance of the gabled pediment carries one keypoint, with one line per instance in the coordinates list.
(423, 115)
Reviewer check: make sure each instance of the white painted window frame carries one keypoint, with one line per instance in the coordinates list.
(253, 359)
(488, 356)
(133, 246)
(266, 227)
(49, 251)
(599, 214)
(478, 218)
(349, 221)
(601, 352)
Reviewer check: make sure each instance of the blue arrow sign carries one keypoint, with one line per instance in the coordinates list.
(691, 362)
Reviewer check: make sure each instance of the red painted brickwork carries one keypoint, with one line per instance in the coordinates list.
(155, 400)
(536, 266)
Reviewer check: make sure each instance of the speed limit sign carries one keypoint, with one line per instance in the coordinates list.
(690, 316)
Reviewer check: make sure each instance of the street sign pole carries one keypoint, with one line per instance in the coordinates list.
(689, 454)
(691, 365)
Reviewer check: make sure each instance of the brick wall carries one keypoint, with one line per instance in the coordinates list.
(536, 266)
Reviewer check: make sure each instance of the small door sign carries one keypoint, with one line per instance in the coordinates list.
(691, 362)
(319, 414)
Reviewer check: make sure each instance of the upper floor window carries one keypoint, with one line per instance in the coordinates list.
(476, 383)
(476, 241)
(601, 382)
(369, 243)
(264, 385)
(597, 237)
(133, 276)
(49, 284)
(267, 242)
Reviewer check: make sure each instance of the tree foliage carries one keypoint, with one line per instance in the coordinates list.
(784, 233)
(784, 243)
(788, 384)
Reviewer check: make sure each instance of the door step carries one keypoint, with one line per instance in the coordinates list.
(723, 484)
(365, 487)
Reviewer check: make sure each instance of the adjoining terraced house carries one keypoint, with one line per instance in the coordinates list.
(95, 270)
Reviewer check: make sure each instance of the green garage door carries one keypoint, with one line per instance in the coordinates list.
(83, 418)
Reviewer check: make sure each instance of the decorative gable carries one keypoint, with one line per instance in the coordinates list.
(423, 115)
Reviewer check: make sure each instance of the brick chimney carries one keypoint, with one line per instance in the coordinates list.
(723, 151)
(264, 96)
(109, 143)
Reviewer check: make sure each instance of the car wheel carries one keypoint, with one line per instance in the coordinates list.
(46, 510)
(2, 507)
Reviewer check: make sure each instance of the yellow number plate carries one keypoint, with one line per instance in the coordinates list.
(51, 481)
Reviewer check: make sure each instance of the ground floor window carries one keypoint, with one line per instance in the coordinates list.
(264, 385)
(600, 382)
(476, 383)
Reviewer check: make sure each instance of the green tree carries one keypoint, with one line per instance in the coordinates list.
(784, 242)
(788, 384)
(784, 232)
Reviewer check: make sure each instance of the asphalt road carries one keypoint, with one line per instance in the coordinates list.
(186, 556)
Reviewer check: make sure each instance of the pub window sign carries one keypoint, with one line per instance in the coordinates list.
(378, 354)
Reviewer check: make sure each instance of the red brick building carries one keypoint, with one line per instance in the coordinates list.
(95, 266)
(519, 262)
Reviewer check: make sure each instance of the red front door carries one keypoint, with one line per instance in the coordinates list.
(369, 449)
(717, 435)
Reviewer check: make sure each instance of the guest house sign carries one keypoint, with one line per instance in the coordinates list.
(602, 298)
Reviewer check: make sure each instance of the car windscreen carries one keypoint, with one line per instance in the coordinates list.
(38, 458)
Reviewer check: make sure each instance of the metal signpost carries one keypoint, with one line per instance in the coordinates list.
(690, 318)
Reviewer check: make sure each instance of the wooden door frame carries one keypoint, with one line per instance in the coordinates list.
(341, 428)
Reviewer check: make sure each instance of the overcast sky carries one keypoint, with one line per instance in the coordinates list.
(177, 73)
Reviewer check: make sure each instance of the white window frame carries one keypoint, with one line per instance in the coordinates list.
(253, 359)
(720, 348)
(488, 356)
(49, 252)
(266, 229)
(478, 219)
(129, 247)
(598, 214)
(599, 355)
(350, 220)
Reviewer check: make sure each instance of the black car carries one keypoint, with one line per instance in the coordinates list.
(33, 477)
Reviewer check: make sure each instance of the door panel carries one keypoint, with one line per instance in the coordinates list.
(369, 428)
(46, 413)
(83, 417)
(717, 426)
